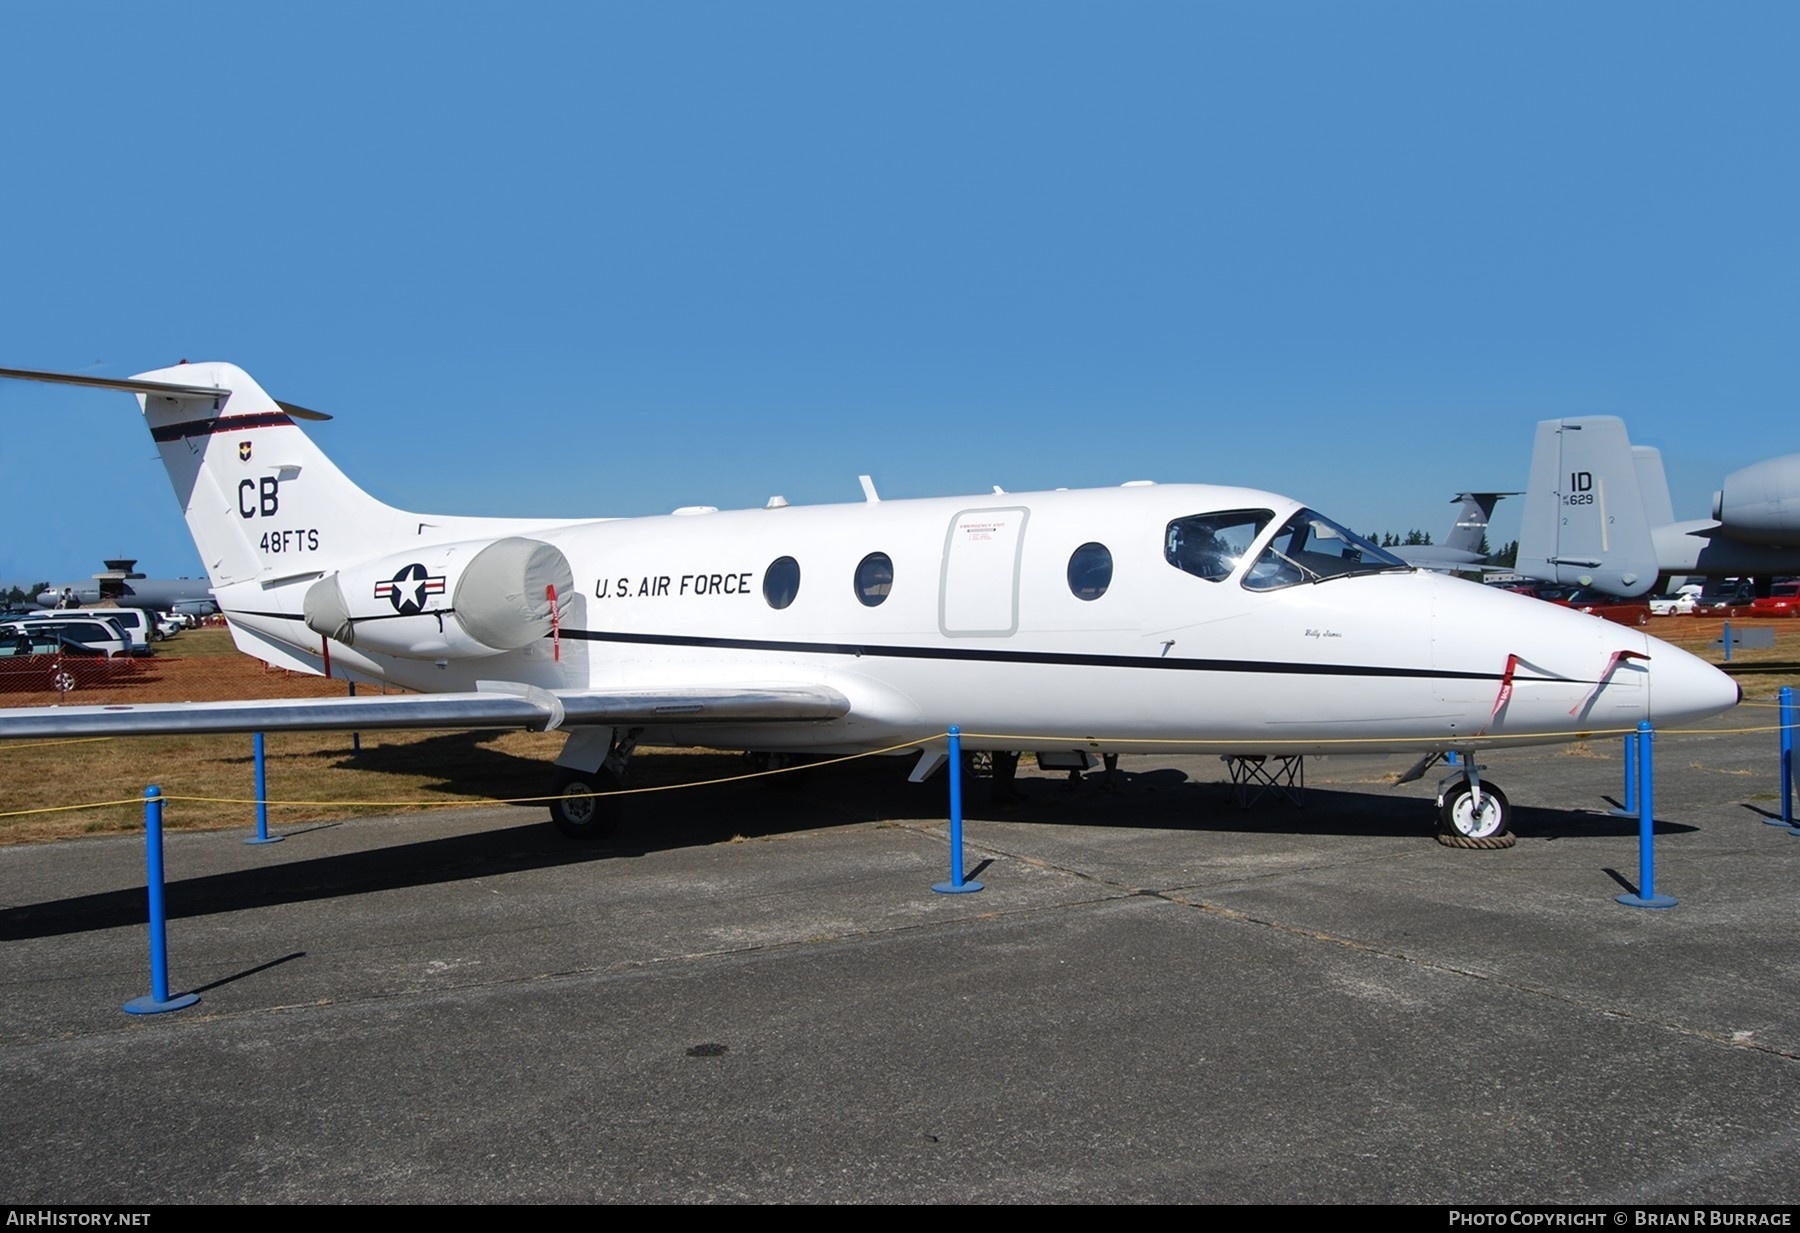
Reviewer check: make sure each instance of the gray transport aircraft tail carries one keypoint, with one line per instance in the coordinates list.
(1472, 520)
(1586, 521)
(1597, 513)
(1461, 549)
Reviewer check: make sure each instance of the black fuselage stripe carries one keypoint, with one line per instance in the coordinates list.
(997, 655)
(1002, 656)
(218, 424)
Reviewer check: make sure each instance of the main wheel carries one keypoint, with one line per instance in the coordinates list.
(1462, 825)
(577, 812)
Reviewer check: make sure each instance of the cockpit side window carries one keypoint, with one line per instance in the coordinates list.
(1210, 546)
(1310, 547)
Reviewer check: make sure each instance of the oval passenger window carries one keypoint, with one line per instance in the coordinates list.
(874, 579)
(781, 582)
(1090, 571)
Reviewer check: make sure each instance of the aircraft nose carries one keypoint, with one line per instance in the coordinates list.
(1685, 687)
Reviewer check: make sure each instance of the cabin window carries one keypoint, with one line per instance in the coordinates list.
(781, 582)
(1090, 571)
(1210, 546)
(1312, 548)
(874, 578)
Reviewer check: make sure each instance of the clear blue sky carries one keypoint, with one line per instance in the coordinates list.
(610, 259)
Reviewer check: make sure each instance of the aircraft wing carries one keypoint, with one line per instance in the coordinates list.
(495, 705)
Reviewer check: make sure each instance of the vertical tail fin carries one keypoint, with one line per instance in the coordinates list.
(261, 500)
(1585, 519)
(1653, 484)
(1470, 527)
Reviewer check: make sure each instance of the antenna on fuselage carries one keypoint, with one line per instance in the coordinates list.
(869, 493)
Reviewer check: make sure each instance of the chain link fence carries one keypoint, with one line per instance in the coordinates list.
(197, 665)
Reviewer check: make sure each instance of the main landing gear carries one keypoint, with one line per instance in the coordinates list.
(580, 810)
(1473, 813)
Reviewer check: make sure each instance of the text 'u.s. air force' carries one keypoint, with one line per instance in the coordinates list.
(654, 586)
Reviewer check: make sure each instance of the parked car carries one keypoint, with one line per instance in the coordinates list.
(1783, 599)
(138, 628)
(41, 661)
(103, 636)
(1727, 597)
(1537, 590)
(1611, 607)
(1685, 604)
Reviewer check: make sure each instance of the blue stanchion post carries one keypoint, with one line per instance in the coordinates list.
(1728, 642)
(956, 885)
(1646, 896)
(158, 999)
(355, 737)
(262, 796)
(1628, 806)
(1787, 759)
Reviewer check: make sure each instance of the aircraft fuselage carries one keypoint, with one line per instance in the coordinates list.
(971, 615)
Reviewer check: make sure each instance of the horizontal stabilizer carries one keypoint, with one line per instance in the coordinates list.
(132, 385)
(530, 711)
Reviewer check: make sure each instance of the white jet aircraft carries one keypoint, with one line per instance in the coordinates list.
(1113, 620)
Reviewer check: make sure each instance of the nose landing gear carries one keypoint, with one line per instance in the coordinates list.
(1471, 813)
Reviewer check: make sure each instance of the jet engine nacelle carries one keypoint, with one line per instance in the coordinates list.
(1761, 504)
(448, 601)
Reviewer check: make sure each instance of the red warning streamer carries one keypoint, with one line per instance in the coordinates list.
(1618, 657)
(555, 624)
(1505, 695)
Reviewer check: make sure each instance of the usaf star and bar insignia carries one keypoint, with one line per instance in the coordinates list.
(407, 589)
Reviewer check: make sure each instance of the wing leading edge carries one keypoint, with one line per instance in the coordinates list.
(494, 705)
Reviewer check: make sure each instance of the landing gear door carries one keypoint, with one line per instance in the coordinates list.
(978, 595)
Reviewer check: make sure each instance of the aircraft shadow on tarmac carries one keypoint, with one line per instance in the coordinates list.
(820, 797)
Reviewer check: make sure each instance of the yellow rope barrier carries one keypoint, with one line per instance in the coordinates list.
(20, 813)
(467, 803)
(72, 740)
(1012, 739)
(1029, 740)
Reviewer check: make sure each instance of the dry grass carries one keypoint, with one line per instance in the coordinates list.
(198, 666)
(396, 772)
(1696, 635)
(210, 641)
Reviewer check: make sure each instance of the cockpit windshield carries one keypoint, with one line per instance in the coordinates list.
(1310, 547)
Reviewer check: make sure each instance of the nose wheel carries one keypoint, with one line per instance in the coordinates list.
(1473, 813)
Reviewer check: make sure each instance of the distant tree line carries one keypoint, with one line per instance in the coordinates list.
(1508, 555)
(16, 595)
